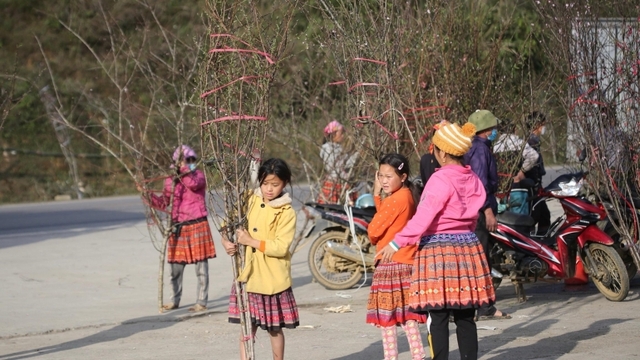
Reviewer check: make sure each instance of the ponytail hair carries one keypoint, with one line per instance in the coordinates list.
(401, 165)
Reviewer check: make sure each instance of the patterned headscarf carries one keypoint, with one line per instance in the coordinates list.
(332, 127)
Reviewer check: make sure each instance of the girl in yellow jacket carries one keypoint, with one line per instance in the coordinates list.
(267, 272)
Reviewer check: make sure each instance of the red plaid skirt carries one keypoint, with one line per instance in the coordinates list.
(388, 303)
(331, 191)
(450, 271)
(268, 312)
(193, 244)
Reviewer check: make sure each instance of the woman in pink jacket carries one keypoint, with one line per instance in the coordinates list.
(191, 241)
(450, 271)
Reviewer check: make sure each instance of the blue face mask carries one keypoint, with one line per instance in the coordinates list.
(493, 135)
(192, 167)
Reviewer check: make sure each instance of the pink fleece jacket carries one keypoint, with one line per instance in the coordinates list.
(188, 199)
(449, 205)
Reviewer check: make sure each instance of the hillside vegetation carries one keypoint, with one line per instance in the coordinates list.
(112, 59)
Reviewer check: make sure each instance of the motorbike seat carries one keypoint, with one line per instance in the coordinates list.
(331, 207)
(364, 213)
(515, 219)
(524, 184)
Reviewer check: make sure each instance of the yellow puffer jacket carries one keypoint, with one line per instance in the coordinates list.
(269, 272)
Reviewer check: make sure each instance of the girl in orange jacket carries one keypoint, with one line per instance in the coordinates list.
(387, 307)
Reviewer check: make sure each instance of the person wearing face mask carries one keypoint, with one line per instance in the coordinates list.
(483, 163)
(510, 151)
(535, 123)
(190, 241)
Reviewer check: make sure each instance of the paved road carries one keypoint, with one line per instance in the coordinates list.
(79, 282)
(21, 224)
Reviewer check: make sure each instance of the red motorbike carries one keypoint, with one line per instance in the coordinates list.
(574, 246)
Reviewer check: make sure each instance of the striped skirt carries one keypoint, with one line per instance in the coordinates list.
(194, 243)
(450, 272)
(268, 312)
(388, 303)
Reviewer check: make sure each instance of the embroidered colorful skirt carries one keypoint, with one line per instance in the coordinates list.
(268, 312)
(388, 303)
(450, 272)
(331, 191)
(192, 244)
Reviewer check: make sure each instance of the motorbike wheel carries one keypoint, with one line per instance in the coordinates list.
(614, 285)
(632, 268)
(318, 258)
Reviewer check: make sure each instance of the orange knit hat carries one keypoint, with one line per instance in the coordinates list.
(453, 139)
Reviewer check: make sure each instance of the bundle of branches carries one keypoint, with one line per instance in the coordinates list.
(597, 46)
(366, 44)
(245, 47)
(407, 65)
(145, 108)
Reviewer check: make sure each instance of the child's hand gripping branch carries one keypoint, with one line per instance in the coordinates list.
(229, 247)
(245, 239)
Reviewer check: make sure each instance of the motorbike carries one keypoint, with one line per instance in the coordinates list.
(572, 246)
(623, 212)
(341, 253)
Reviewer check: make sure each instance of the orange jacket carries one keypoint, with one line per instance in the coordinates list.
(392, 214)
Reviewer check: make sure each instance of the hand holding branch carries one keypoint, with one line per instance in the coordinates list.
(229, 247)
(245, 239)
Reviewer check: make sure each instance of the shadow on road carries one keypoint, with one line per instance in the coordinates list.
(541, 293)
(549, 347)
(545, 298)
(374, 350)
(123, 330)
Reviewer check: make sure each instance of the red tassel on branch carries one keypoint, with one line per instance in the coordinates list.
(243, 78)
(235, 117)
(364, 84)
(252, 50)
(369, 60)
